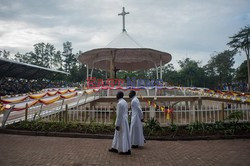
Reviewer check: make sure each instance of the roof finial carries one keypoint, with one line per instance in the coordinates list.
(123, 13)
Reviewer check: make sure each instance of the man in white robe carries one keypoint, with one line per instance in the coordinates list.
(136, 127)
(121, 141)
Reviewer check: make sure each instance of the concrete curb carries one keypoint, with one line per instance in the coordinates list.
(55, 134)
(103, 136)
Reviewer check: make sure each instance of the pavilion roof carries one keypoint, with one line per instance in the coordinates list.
(10, 68)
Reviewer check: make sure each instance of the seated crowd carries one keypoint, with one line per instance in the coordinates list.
(11, 86)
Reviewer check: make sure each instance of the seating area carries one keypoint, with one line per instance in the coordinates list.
(13, 86)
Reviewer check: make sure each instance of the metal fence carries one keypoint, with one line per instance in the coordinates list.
(181, 115)
(77, 110)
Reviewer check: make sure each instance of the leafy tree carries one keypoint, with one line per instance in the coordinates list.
(40, 56)
(69, 58)
(151, 73)
(124, 74)
(220, 67)
(240, 41)
(170, 75)
(74, 73)
(241, 72)
(142, 74)
(50, 53)
(211, 78)
(25, 58)
(18, 57)
(57, 60)
(44, 55)
(99, 74)
(5, 54)
(191, 73)
(77, 74)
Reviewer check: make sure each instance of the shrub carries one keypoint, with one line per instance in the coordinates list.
(174, 129)
(197, 127)
(234, 117)
(152, 126)
(37, 125)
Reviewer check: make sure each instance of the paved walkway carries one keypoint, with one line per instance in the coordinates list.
(39, 150)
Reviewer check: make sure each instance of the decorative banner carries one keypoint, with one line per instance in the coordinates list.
(200, 91)
(136, 89)
(229, 95)
(155, 105)
(51, 89)
(49, 100)
(22, 106)
(168, 111)
(14, 99)
(117, 88)
(72, 90)
(1, 108)
(167, 116)
(105, 87)
(89, 91)
(37, 96)
(52, 93)
(63, 91)
(96, 90)
(69, 95)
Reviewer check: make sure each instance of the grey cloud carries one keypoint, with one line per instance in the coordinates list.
(193, 26)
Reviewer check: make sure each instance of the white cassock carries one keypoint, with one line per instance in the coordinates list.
(121, 140)
(136, 128)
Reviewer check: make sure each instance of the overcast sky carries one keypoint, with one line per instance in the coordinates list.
(183, 28)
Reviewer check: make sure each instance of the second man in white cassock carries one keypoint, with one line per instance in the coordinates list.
(121, 141)
(136, 127)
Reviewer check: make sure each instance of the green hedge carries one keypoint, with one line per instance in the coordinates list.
(151, 128)
(91, 128)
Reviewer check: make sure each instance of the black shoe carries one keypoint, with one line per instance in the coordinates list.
(135, 146)
(126, 153)
(113, 150)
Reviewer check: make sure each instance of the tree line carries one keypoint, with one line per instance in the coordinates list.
(46, 55)
(217, 73)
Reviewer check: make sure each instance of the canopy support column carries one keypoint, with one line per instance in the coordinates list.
(112, 63)
(156, 71)
(91, 75)
(111, 69)
(161, 69)
(87, 71)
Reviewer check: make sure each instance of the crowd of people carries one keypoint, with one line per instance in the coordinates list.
(235, 86)
(11, 86)
(14, 86)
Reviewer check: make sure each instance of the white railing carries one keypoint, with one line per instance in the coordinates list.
(182, 115)
(51, 110)
(79, 111)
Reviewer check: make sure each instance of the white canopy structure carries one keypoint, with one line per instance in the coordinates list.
(124, 53)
